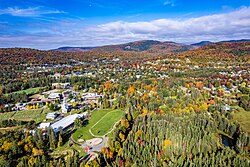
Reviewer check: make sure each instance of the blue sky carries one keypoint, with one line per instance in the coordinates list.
(47, 24)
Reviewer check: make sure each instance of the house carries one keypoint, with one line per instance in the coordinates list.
(51, 115)
(91, 96)
(226, 107)
(57, 75)
(60, 85)
(44, 125)
(35, 101)
(20, 106)
(54, 96)
(66, 107)
(67, 122)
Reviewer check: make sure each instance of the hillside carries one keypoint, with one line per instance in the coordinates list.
(73, 49)
(221, 50)
(202, 43)
(137, 46)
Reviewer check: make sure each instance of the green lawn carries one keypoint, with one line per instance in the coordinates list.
(107, 122)
(29, 91)
(26, 115)
(6, 115)
(83, 132)
(243, 118)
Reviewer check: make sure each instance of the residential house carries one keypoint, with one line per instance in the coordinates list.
(66, 107)
(54, 96)
(51, 115)
(43, 125)
(20, 106)
(57, 75)
(60, 85)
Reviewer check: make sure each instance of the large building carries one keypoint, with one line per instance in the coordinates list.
(67, 122)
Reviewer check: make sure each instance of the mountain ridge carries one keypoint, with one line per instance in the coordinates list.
(135, 46)
(144, 45)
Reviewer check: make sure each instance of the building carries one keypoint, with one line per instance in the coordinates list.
(20, 106)
(91, 96)
(44, 125)
(226, 107)
(60, 85)
(67, 122)
(65, 107)
(54, 96)
(51, 115)
(57, 75)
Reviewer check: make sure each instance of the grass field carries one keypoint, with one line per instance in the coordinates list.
(107, 122)
(29, 91)
(37, 115)
(242, 117)
(83, 132)
(6, 115)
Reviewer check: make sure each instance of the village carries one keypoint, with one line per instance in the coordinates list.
(85, 102)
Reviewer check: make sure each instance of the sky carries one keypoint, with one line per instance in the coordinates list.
(49, 24)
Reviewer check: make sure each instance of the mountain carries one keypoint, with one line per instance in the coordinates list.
(202, 43)
(137, 46)
(222, 50)
(240, 40)
(73, 49)
(151, 46)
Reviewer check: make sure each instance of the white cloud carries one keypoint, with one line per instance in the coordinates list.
(28, 12)
(235, 24)
(169, 3)
(216, 27)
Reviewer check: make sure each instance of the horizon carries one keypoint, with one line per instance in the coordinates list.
(120, 44)
(50, 24)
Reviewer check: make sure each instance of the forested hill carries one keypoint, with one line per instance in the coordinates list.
(221, 50)
(137, 46)
(29, 56)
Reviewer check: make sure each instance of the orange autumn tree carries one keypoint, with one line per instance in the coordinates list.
(131, 90)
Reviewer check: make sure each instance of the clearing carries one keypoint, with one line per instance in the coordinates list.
(106, 123)
(242, 117)
(29, 91)
(97, 115)
(38, 115)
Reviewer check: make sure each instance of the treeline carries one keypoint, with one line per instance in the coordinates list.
(13, 122)
(26, 149)
(177, 140)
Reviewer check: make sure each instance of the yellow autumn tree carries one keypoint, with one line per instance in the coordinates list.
(37, 152)
(138, 133)
(204, 106)
(6, 146)
(122, 136)
(167, 143)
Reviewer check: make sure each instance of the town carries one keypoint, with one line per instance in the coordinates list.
(91, 109)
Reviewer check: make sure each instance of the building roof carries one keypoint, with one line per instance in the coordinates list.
(66, 122)
(44, 125)
(54, 96)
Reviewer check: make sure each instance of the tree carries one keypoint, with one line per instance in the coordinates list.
(60, 141)
(78, 122)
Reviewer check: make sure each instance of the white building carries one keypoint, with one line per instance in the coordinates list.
(54, 96)
(65, 107)
(91, 96)
(67, 122)
(44, 125)
(51, 115)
